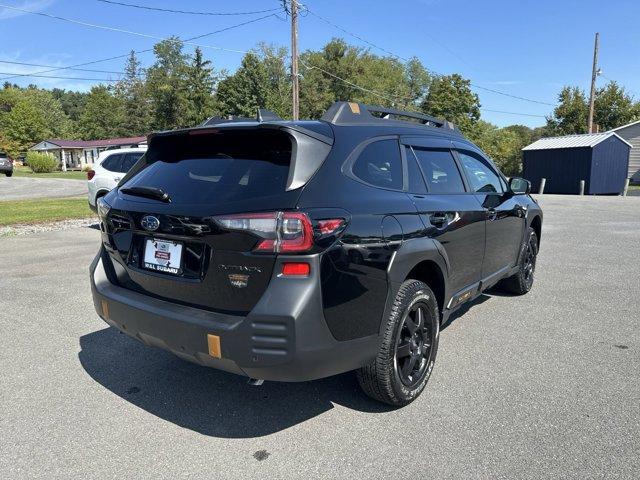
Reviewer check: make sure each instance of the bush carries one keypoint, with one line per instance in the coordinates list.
(41, 162)
(87, 168)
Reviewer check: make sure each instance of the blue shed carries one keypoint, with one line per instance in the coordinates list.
(600, 159)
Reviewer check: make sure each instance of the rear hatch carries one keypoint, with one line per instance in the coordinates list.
(199, 220)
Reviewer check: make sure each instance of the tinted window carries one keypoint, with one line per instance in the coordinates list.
(380, 164)
(481, 177)
(218, 167)
(113, 163)
(129, 161)
(440, 171)
(416, 182)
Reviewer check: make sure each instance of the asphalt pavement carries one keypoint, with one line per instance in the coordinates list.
(23, 188)
(540, 386)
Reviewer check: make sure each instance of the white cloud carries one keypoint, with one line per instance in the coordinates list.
(33, 5)
(54, 60)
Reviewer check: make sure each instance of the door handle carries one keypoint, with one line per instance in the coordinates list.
(492, 214)
(438, 219)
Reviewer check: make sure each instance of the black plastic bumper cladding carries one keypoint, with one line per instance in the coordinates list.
(284, 337)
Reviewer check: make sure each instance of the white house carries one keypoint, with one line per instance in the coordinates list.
(76, 154)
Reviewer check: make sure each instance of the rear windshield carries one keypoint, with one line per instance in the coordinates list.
(217, 167)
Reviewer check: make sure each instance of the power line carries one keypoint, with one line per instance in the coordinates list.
(512, 113)
(53, 66)
(362, 39)
(338, 27)
(395, 98)
(65, 78)
(513, 96)
(187, 12)
(379, 94)
(117, 57)
(119, 30)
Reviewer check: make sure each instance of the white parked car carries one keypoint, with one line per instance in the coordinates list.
(109, 169)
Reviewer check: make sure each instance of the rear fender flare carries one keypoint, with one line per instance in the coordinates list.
(411, 253)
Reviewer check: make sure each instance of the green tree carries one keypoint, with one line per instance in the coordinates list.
(503, 145)
(200, 84)
(166, 83)
(28, 116)
(132, 91)
(23, 127)
(570, 116)
(261, 81)
(343, 72)
(614, 107)
(103, 115)
(450, 97)
(72, 103)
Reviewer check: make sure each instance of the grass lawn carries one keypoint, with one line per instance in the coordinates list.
(26, 172)
(634, 187)
(43, 210)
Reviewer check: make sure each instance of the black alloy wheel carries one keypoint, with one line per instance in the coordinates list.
(413, 345)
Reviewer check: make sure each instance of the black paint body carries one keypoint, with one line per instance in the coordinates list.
(298, 329)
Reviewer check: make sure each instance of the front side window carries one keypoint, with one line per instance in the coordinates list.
(379, 164)
(440, 171)
(481, 177)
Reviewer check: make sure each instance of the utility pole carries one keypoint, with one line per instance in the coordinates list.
(594, 75)
(294, 60)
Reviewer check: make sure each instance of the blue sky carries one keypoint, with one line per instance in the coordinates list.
(523, 48)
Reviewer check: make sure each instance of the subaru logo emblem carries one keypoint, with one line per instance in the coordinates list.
(150, 223)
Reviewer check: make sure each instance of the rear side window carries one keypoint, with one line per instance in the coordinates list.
(129, 161)
(440, 171)
(113, 163)
(481, 177)
(218, 167)
(380, 165)
(416, 182)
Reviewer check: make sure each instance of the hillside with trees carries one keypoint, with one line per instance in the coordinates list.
(181, 89)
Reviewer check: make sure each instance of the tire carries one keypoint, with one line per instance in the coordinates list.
(8, 174)
(521, 282)
(386, 378)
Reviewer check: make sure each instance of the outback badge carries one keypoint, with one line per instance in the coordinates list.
(238, 280)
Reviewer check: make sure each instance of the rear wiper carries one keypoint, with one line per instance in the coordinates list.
(148, 192)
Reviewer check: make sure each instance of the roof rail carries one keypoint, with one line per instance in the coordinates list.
(351, 113)
(262, 115)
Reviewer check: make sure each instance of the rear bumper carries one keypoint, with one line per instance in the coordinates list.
(6, 168)
(284, 338)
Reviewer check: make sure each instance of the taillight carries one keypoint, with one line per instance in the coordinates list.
(90, 174)
(287, 232)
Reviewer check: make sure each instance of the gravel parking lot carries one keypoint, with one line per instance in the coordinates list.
(21, 188)
(540, 386)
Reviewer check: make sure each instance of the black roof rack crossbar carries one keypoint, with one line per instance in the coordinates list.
(350, 113)
(263, 115)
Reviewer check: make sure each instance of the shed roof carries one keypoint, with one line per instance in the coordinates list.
(572, 141)
(625, 126)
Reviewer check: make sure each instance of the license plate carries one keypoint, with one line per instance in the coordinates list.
(162, 256)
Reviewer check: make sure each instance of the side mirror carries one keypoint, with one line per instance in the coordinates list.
(519, 186)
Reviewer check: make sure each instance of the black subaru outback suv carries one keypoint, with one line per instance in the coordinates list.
(292, 251)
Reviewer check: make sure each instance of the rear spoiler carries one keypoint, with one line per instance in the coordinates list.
(309, 149)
